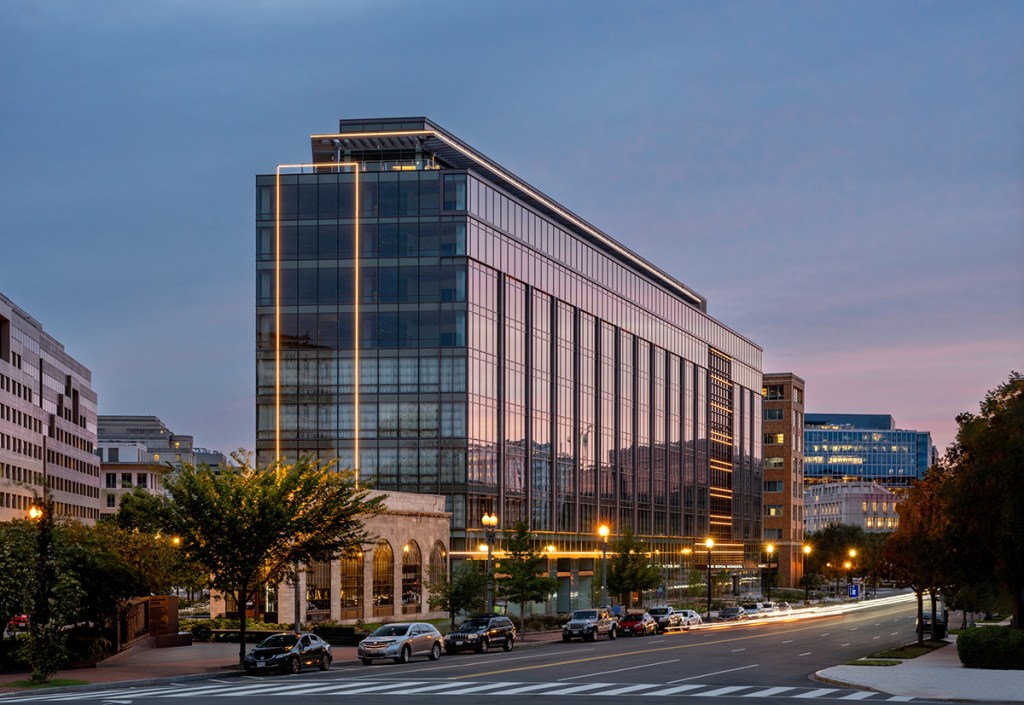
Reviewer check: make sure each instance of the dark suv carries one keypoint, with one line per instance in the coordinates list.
(481, 633)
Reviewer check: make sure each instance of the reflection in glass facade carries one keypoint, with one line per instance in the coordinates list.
(864, 448)
(441, 326)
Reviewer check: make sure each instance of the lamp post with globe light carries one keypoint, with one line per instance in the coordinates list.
(490, 522)
(770, 550)
(807, 582)
(603, 532)
(709, 544)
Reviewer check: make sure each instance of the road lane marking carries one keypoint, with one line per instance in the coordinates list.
(371, 688)
(720, 691)
(767, 692)
(899, 698)
(893, 633)
(629, 688)
(807, 653)
(817, 693)
(526, 688)
(715, 673)
(420, 689)
(477, 688)
(617, 670)
(736, 651)
(788, 641)
(826, 633)
(675, 689)
(578, 688)
(860, 695)
(876, 637)
(846, 644)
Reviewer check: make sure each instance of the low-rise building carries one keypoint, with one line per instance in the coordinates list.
(868, 505)
(783, 498)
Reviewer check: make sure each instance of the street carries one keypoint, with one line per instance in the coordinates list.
(770, 660)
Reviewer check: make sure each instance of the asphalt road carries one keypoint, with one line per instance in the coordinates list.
(770, 661)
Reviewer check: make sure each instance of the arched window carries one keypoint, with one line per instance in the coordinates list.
(351, 590)
(318, 591)
(412, 578)
(438, 564)
(383, 580)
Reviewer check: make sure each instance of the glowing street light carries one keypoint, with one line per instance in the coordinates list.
(807, 582)
(770, 549)
(490, 522)
(603, 532)
(709, 544)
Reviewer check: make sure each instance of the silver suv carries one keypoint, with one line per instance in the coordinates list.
(590, 624)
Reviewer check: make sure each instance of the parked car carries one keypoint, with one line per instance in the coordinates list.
(754, 610)
(733, 614)
(18, 622)
(590, 624)
(785, 608)
(400, 641)
(666, 617)
(928, 623)
(771, 609)
(481, 633)
(690, 619)
(289, 652)
(637, 624)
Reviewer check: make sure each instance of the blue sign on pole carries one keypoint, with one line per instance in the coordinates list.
(854, 590)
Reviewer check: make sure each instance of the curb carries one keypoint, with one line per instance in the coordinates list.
(843, 684)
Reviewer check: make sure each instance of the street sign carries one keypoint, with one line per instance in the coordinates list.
(854, 590)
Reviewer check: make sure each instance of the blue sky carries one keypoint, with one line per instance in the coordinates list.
(843, 181)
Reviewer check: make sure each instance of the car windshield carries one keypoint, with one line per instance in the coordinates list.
(633, 618)
(280, 640)
(750, 607)
(391, 630)
(657, 611)
(731, 610)
(473, 625)
(585, 614)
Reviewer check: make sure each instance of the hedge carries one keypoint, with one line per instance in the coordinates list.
(998, 648)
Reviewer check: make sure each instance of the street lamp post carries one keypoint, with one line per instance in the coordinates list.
(849, 566)
(807, 582)
(710, 543)
(490, 522)
(682, 568)
(770, 548)
(603, 532)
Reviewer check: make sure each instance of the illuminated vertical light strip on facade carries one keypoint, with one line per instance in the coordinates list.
(277, 306)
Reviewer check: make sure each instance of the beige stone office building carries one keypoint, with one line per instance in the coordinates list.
(386, 581)
(47, 422)
(783, 499)
(868, 505)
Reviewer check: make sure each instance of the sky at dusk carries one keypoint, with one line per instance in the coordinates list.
(844, 181)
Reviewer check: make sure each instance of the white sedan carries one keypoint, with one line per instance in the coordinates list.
(690, 619)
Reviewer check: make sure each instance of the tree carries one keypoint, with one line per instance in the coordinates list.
(630, 569)
(17, 554)
(523, 578)
(832, 544)
(986, 466)
(141, 511)
(462, 591)
(250, 526)
(873, 561)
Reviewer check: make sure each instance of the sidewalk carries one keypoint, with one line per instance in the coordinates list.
(936, 675)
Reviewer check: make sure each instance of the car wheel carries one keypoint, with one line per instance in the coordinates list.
(294, 664)
(435, 652)
(509, 644)
(325, 662)
(566, 638)
(404, 655)
(592, 635)
(483, 647)
(366, 661)
(612, 633)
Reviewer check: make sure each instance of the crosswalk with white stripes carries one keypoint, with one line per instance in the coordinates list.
(250, 688)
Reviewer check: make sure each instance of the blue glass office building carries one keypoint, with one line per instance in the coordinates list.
(444, 327)
(864, 448)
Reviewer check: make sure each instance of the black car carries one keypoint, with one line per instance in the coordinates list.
(481, 633)
(289, 652)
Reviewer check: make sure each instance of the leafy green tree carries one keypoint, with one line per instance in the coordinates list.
(522, 573)
(872, 558)
(250, 526)
(630, 569)
(141, 511)
(985, 491)
(17, 555)
(462, 591)
(831, 545)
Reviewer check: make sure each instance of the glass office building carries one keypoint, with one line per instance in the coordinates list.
(441, 326)
(864, 448)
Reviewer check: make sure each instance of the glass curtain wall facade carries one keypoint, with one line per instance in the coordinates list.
(442, 327)
(864, 448)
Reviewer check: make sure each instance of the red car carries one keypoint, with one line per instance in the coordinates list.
(18, 621)
(638, 624)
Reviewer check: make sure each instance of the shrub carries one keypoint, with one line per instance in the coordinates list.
(999, 648)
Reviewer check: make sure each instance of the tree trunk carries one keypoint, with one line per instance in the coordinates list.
(241, 598)
(920, 617)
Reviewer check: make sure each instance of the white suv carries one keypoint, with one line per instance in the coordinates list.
(590, 624)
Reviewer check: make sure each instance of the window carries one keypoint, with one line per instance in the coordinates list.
(773, 534)
(774, 439)
(774, 463)
(454, 192)
(141, 479)
(773, 414)
(773, 486)
(113, 455)
(111, 480)
(773, 392)
(111, 500)
(126, 479)
(773, 510)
